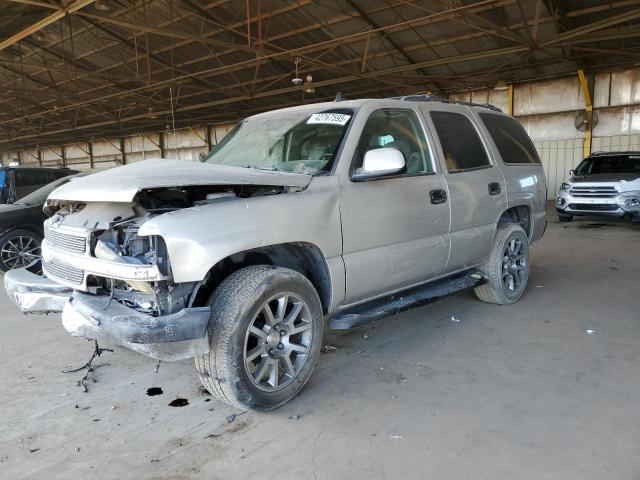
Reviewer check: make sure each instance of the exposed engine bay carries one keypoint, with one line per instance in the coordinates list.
(111, 232)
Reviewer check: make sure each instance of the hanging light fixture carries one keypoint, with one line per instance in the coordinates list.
(297, 81)
(501, 85)
(308, 86)
(102, 5)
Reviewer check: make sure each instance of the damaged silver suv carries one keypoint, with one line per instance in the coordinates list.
(336, 213)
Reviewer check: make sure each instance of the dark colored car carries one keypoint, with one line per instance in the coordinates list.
(17, 182)
(21, 229)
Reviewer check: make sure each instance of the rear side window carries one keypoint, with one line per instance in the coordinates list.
(512, 141)
(26, 178)
(461, 144)
(60, 173)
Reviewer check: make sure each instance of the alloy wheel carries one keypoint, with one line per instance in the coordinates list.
(21, 252)
(278, 342)
(514, 264)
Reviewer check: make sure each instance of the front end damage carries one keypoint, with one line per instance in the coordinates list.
(112, 284)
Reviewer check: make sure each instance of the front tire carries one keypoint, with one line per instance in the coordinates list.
(265, 336)
(564, 217)
(19, 249)
(507, 267)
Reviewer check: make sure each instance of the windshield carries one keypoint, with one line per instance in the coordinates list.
(609, 164)
(295, 142)
(40, 196)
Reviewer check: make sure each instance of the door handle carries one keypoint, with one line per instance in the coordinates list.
(438, 196)
(494, 188)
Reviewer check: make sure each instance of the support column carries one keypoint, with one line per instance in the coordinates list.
(510, 105)
(586, 92)
(91, 161)
(122, 152)
(161, 144)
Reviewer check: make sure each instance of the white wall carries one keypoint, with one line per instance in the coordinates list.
(547, 110)
(185, 144)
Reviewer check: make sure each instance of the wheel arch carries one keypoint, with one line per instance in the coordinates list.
(303, 257)
(31, 228)
(520, 214)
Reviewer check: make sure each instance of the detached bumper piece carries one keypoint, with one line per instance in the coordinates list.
(171, 337)
(35, 294)
(401, 301)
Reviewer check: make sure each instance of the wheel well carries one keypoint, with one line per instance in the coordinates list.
(304, 258)
(31, 228)
(520, 215)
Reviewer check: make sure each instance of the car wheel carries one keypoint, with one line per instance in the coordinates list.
(19, 249)
(507, 267)
(565, 218)
(265, 336)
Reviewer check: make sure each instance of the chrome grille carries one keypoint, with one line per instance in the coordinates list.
(64, 272)
(594, 192)
(64, 241)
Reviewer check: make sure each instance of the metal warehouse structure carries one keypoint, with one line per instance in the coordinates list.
(80, 77)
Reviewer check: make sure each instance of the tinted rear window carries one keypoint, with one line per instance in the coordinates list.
(460, 142)
(512, 141)
(27, 177)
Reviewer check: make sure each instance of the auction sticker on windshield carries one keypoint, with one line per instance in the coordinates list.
(329, 118)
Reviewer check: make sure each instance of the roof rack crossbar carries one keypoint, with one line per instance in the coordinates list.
(430, 98)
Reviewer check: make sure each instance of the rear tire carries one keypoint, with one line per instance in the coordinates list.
(265, 336)
(20, 248)
(507, 267)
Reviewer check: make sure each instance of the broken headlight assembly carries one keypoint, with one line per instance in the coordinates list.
(632, 202)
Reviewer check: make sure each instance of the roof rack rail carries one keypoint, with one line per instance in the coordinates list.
(430, 98)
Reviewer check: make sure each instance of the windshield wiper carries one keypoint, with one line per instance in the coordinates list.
(268, 169)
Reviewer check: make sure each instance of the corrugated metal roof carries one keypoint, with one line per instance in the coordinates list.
(70, 71)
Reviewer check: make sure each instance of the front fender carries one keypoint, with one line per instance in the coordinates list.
(199, 237)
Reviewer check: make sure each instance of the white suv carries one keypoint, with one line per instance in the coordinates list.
(605, 183)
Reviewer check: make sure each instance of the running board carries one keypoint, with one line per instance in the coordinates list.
(401, 301)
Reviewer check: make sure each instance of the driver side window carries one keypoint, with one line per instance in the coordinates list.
(399, 129)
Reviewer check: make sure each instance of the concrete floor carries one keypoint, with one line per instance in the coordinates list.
(517, 392)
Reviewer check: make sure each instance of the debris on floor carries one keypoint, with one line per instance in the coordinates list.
(179, 402)
(397, 437)
(97, 351)
(294, 417)
(454, 319)
(589, 332)
(153, 391)
(233, 416)
(329, 348)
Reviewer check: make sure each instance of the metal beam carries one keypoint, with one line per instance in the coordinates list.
(167, 32)
(48, 20)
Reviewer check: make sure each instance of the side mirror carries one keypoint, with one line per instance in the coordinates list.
(572, 172)
(380, 162)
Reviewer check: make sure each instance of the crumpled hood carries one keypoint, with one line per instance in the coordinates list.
(123, 183)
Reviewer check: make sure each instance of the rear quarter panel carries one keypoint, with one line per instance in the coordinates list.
(525, 185)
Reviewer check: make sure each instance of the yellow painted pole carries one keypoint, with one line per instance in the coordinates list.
(586, 147)
(510, 107)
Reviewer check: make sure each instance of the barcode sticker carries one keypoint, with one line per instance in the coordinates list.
(329, 118)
